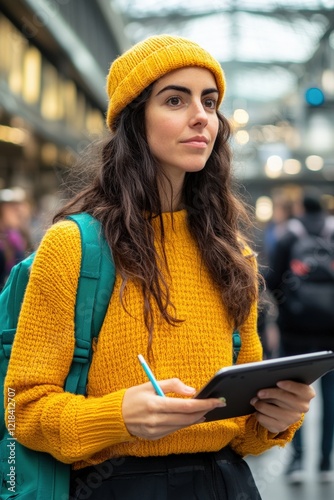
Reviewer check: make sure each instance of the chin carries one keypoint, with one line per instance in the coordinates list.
(195, 168)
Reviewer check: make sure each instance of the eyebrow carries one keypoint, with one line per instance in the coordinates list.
(186, 90)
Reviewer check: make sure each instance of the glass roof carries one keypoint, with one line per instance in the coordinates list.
(261, 44)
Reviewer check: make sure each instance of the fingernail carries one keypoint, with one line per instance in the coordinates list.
(189, 389)
(222, 402)
(253, 401)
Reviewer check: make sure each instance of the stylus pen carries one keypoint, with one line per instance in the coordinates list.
(150, 375)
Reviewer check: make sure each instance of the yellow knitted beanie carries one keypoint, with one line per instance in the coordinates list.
(147, 61)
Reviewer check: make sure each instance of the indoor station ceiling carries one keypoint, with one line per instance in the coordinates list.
(267, 48)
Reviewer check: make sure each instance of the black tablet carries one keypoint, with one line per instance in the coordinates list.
(238, 384)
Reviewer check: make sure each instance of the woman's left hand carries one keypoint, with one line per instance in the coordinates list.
(279, 407)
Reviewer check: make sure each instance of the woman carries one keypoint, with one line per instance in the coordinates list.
(185, 280)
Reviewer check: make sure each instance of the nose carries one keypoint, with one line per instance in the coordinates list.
(198, 115)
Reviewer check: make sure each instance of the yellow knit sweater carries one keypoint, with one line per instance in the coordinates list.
(88, 430)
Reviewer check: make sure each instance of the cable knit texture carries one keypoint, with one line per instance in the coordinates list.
(88, 430)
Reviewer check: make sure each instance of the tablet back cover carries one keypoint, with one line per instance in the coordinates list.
(240, 383)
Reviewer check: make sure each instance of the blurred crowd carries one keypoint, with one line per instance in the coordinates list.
(297, 253)
(22, 225)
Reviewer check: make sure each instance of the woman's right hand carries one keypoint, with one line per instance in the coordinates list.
(149, 416)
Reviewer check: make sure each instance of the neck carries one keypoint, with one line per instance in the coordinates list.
(170, 192)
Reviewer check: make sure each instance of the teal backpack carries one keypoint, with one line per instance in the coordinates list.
(26, 474)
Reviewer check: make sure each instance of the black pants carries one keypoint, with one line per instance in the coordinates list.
(201, 476)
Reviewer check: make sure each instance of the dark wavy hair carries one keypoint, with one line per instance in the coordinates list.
(124, 196)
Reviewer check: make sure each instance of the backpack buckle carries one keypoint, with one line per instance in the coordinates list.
(82, 351)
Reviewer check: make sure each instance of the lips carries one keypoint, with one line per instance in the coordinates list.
(196, 140)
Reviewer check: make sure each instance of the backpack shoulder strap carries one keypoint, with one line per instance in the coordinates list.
(96, 282)
(236, 340)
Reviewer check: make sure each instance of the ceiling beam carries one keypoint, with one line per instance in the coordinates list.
(115, 21)
(179, 15)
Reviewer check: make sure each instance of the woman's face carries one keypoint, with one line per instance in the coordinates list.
(181, 120)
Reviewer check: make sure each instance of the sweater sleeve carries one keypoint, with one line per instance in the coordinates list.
(70, 427)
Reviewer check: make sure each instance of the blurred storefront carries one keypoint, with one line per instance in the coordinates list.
(54, 58)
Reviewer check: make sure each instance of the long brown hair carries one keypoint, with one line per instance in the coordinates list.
(124, 196)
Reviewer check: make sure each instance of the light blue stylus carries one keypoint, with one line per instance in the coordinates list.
(150, 375)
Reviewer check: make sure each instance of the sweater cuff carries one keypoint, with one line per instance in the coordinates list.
(256, 439)
(281, 438)
(98, 424)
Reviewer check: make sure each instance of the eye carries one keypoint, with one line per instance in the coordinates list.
(174, 101)
(210, 102)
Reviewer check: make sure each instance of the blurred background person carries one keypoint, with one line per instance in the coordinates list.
(301, 279)
(14, 230)
(282, 212)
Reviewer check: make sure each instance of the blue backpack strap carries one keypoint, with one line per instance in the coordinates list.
(236, 339)
(96, 282)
